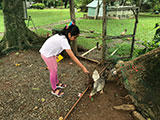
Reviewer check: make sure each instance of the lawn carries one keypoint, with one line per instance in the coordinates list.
(1, 22)
(44, 17)
(145, 29)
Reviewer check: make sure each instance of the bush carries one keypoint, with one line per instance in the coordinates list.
(156, 8)
(38, 6)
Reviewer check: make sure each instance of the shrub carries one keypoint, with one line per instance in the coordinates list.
(38, 6)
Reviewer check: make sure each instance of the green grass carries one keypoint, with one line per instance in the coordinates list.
(42, 32)
(145, 31)
(44, 17)
(48, 16)
(145, 27)
(1, 22)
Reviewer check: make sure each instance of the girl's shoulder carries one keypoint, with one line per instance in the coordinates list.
(60, 36)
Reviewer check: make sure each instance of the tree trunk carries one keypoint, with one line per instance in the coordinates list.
(65, 3)
(72, 16)
(16, 34)
(141, 77)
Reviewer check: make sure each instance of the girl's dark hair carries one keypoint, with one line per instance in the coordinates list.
(73, 30)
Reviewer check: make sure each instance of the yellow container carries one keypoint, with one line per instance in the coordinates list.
(59, 58)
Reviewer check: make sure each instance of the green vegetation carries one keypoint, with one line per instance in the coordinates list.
(38, 6)
(42, 32)
(44, 17)
(49, 16)
(145, 28)
(1, 22)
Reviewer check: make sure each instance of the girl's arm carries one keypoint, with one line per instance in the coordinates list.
(75, 59)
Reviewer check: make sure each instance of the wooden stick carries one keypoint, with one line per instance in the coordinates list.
(114, 51)
(103, 70)
(80, 98)
(118, 37)
(89, 59)
(75, 104)
(88, 51)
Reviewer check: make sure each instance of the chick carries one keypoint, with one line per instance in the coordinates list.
(98, 83)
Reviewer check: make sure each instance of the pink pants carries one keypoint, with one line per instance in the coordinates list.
(52, 66)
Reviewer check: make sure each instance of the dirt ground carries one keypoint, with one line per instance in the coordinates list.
(25, 92)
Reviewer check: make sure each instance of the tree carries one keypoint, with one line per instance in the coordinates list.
(84, 3)
(73, 18)
(0, 4)
(142, 80)
(16, 34)
(65, 3)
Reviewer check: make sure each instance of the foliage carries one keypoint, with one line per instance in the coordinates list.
(156, 8)
(123, 49)
(149, 45)
(83, 3)
(151, 4)
(38, 6)
(0, 4)
(155, 43)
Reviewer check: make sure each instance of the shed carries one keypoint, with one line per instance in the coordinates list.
(118, 12)
(92, 8)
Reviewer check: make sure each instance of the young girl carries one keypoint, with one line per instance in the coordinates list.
(54, 46)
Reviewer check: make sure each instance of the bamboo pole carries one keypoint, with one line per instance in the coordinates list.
(89, 59)
(75, 104)
(118, 37)
(104, 32)
(88, 51)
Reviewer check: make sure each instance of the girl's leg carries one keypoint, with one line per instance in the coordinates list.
(52, 66)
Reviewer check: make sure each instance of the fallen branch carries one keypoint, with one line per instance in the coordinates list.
(138, 116)
(125, 107)
(89, 59)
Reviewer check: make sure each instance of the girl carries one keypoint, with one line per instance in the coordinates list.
(54, 46)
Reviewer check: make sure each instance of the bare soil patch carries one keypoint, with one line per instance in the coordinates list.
(25, 92)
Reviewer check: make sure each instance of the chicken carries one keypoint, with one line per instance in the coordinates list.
(98, 83)
(124, 33)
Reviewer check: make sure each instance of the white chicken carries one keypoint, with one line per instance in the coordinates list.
(98, 83)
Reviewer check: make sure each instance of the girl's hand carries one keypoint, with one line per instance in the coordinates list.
(85, 70)
(75, 59)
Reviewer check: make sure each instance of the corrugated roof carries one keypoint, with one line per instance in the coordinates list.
(94, 3)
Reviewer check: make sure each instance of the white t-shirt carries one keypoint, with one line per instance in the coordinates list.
(54, 45)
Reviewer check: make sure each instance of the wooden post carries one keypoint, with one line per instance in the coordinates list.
(134, 32)
(72, 16)
(97, 11)
(104, 31)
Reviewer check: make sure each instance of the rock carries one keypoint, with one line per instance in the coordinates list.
(119, 64)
